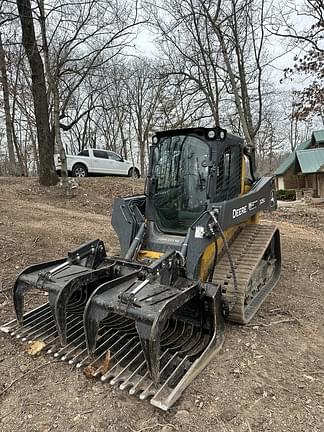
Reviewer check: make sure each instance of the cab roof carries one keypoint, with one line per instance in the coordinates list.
(203, 132)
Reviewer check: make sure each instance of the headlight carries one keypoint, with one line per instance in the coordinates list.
(222, 135)
(211, 134)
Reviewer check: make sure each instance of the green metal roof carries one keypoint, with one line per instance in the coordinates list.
(286, 164)
(311, 160)
(318, 136)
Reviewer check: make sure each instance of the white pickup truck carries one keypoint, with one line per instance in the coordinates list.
(93, 161)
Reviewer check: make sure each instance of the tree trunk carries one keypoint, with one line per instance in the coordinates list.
(22, 167)
(228, 64)
(248, 138)
(53, 87)
(142, 156)
(58, 138)
(34, 146)
(5, 88)
(47, 174)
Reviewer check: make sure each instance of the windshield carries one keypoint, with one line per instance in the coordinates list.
(180, 173)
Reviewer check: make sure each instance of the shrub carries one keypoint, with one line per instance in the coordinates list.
(286, 194)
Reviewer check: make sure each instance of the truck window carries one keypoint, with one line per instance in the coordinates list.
(100, 154)
(114, 157)
(84, 153)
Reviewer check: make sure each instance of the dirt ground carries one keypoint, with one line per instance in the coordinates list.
(268, 376)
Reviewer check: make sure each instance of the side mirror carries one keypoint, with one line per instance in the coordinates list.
(121, 159)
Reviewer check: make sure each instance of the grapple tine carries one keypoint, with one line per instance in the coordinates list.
(59, 312)
(150, 341)
(61, 279)
(145, 301)
(18, 298)
(91, 322)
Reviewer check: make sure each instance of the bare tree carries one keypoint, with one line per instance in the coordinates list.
(47, 174)
(6, 101)
(67, 47)
(218, 46)
(143, 89)
(211, 66)
(239, 28)
(309, 62)
(191, 51)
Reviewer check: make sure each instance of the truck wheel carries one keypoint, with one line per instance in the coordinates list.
(79, 170)
(133, 172)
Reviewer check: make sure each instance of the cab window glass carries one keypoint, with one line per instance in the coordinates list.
(228, 174)
(100, 154)
(114, 157)
(181, 173)
(84, 153)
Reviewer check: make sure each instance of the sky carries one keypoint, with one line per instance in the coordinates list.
(145, 43)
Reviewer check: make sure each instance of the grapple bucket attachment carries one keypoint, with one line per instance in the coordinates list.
(68, 283)
(146, 328)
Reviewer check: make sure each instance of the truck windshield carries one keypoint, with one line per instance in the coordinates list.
(180, 174)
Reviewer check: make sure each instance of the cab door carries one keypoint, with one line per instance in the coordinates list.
(102, 164)
(119, 165)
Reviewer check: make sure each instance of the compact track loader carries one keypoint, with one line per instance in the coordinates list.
(193, 253)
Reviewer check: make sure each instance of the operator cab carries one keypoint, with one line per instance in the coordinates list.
(190, 168)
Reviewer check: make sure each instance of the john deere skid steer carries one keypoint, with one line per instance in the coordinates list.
(193, 253)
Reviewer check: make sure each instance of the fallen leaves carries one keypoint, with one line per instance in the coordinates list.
(91, 371)
(105, 364)
(35, 347)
